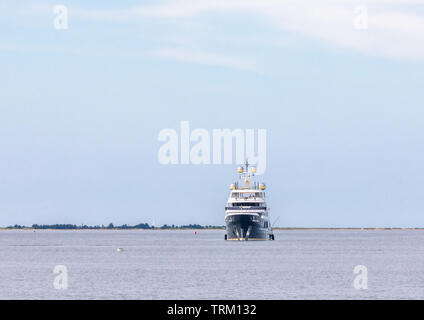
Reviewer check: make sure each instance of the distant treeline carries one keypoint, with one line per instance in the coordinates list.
(190, 226)
(112, 226)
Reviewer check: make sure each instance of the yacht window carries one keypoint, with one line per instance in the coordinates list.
(238, 204)
(255, 218)
(247, 195)
(251, 195)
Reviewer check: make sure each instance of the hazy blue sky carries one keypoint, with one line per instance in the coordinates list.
(81, 109)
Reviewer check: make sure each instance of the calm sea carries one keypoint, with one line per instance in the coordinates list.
(182, 265)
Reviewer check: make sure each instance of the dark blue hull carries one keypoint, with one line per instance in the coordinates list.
(248, 227)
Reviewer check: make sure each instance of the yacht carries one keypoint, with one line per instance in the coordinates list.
(247, 213)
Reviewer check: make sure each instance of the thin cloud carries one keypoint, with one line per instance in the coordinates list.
(394, 29)
(206, 58)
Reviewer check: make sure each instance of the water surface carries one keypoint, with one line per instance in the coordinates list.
(307, 264)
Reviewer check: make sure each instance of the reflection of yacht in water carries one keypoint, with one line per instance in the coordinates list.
(246, 213)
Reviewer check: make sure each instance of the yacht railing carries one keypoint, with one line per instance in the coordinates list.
(245, 208)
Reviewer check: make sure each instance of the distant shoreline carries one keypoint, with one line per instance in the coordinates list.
(205, 228)
(110, 226)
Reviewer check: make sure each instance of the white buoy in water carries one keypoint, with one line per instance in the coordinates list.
(119, 249)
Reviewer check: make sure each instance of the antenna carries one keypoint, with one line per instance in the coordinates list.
(275, 221)
(246, 175)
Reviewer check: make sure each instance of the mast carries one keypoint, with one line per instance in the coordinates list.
(247, 175)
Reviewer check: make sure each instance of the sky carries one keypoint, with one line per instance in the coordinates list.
(341, 101)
